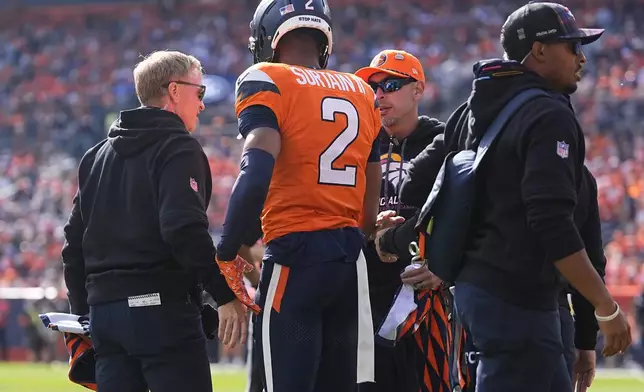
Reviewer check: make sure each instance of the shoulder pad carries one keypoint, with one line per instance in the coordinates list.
(254, 80)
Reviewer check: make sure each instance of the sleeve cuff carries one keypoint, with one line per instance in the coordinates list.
(79, 308)
(386, 241)
(221, 293)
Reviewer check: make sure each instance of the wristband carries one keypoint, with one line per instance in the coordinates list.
(608, 318)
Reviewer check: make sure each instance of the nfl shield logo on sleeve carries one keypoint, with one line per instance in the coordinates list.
(562, 149)
(193, 185)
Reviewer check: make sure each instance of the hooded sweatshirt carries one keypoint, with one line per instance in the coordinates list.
(529, 184)
(384, 278)
(139, 224)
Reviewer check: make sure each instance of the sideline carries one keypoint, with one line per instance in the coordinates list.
(602, 373)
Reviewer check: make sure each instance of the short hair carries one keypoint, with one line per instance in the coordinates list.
(158, 69)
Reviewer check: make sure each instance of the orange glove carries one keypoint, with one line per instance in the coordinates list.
(234, 271)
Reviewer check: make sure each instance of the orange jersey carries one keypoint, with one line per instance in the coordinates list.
(328, 122)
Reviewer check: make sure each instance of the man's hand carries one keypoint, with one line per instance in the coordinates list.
(583, 370)
(387, 219)
(421, 278)
(233, 323)
(384, 256)
(617, 332)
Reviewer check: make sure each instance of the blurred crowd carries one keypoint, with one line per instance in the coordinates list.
(64, 78)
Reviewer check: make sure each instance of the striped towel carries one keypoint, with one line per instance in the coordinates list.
(422, 314)
(75, 330)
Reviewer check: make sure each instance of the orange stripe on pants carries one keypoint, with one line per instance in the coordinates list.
(281, 288)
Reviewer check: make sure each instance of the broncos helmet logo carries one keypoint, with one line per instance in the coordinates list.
(394, 176)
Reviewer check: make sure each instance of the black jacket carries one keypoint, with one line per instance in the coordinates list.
(384, 278)
(532, 177)
(138, 223)
(587, 219)
(417, 186)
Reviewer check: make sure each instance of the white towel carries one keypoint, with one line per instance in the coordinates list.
(403, 305)
(66, 322)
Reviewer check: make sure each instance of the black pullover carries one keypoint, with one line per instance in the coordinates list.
(138, 223)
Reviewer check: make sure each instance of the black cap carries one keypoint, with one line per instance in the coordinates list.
(541, 22)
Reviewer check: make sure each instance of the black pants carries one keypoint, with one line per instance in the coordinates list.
(396, 368)
(521, 349)
(307, 331)
(254, 364)
(568, 337)
(158, 348)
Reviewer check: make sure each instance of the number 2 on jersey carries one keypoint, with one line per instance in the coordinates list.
(327, 174)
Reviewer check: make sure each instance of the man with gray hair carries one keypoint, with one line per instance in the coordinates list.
(137, 250)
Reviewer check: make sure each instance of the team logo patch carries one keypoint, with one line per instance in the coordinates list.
(379, 61)
(562, 149)
(194, 185)
(395, 174)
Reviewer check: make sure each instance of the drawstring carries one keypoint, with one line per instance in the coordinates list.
(391, 147)
(400, 175)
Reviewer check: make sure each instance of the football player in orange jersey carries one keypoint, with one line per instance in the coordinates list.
(310, 167)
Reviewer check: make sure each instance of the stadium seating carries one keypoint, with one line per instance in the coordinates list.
(64, 78)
